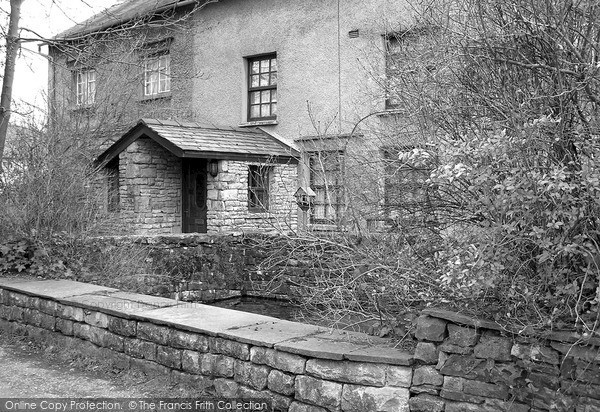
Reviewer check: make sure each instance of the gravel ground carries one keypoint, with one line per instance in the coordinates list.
(29, 370)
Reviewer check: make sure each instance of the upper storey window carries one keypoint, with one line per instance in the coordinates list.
(157, 75)
(85, 87)
(262, 88)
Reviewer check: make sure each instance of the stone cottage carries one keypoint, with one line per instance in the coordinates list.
(209, 115)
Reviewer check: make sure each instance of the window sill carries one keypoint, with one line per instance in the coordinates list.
(84, 108)
(160, 96)
(259, 123)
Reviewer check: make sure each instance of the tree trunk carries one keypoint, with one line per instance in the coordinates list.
(12, 46)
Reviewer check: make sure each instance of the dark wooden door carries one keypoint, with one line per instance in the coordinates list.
(194, 196)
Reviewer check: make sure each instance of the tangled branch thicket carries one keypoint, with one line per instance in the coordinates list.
(508, 93)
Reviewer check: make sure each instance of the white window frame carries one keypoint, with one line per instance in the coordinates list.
(85, 87)
(157, 75)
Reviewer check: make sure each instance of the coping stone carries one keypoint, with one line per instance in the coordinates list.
(57, 289)
(155, 301)
(381, 354)
(461, 319)
(269, 334)
(10, 281)
(358, 338)
(196, 317)
(315, 347)
(108, 304)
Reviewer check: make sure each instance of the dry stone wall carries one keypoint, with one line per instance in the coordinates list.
(465, 364)
(459, 364)
(301, 368)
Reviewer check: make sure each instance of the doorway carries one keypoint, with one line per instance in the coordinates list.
(194, 196)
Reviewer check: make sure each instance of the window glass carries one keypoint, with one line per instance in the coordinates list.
(262, 88)
(327, 181)
(85, 85)
(258, 187)
(157, 75)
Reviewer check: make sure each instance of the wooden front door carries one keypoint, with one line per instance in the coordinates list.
(194, 196)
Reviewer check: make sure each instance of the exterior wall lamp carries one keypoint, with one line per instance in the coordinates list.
(213, 168)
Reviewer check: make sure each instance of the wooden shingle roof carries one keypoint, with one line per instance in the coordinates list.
(193, 140)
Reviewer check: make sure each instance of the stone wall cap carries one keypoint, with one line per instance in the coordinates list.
(56, 289)
(123, 308)
(461, 319)
(269, 334)
(382, 354)
(319, 347)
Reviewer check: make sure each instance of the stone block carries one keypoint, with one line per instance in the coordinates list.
(492, 346)
(463, 407)
(496, 405)
(366, 398)
(302, 407)
(140, 349)
(460, 389)
(154, 333)
(229, 348)
(97, 319)
(226, 388)
(167, 356)
(48, 307)
(431, 329)
(450, 348)
(14, 313)
(217, 365)
(587, 354)
(462, 336)
(281, 382)
(536, 353)
(280, 402)
(398, 376)
(201, 384)
(18, 299)
(284, 361)
(319, 392)
(190, 361)
(252, 375)
(369, 374)
(426, 403)
(122, 326)
(427, 375)
(71, 313)
(64, 326)
(426, 352)
(186, 340)
(112, 341)
(150, 368)
(587, 372)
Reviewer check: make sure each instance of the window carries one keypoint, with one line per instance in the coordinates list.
(258, 188)
(157, 75)
(262, 88)
(410, 56)
(85, 87)
(406, 194)
(327, 181)
(112, 169)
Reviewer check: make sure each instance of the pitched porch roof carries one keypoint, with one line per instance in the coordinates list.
(193, 140)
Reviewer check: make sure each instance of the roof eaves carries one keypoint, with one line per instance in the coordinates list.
(87, 29)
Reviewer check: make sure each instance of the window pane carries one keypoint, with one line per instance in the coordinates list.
(273, 65)
(255, 97)
(255, 67)
(273, 109)
(265, 110)
(273, 95)
(254, 111)
(264, 66)
(264, 79)
(255, 81)
(274, 78)
(265, 96)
